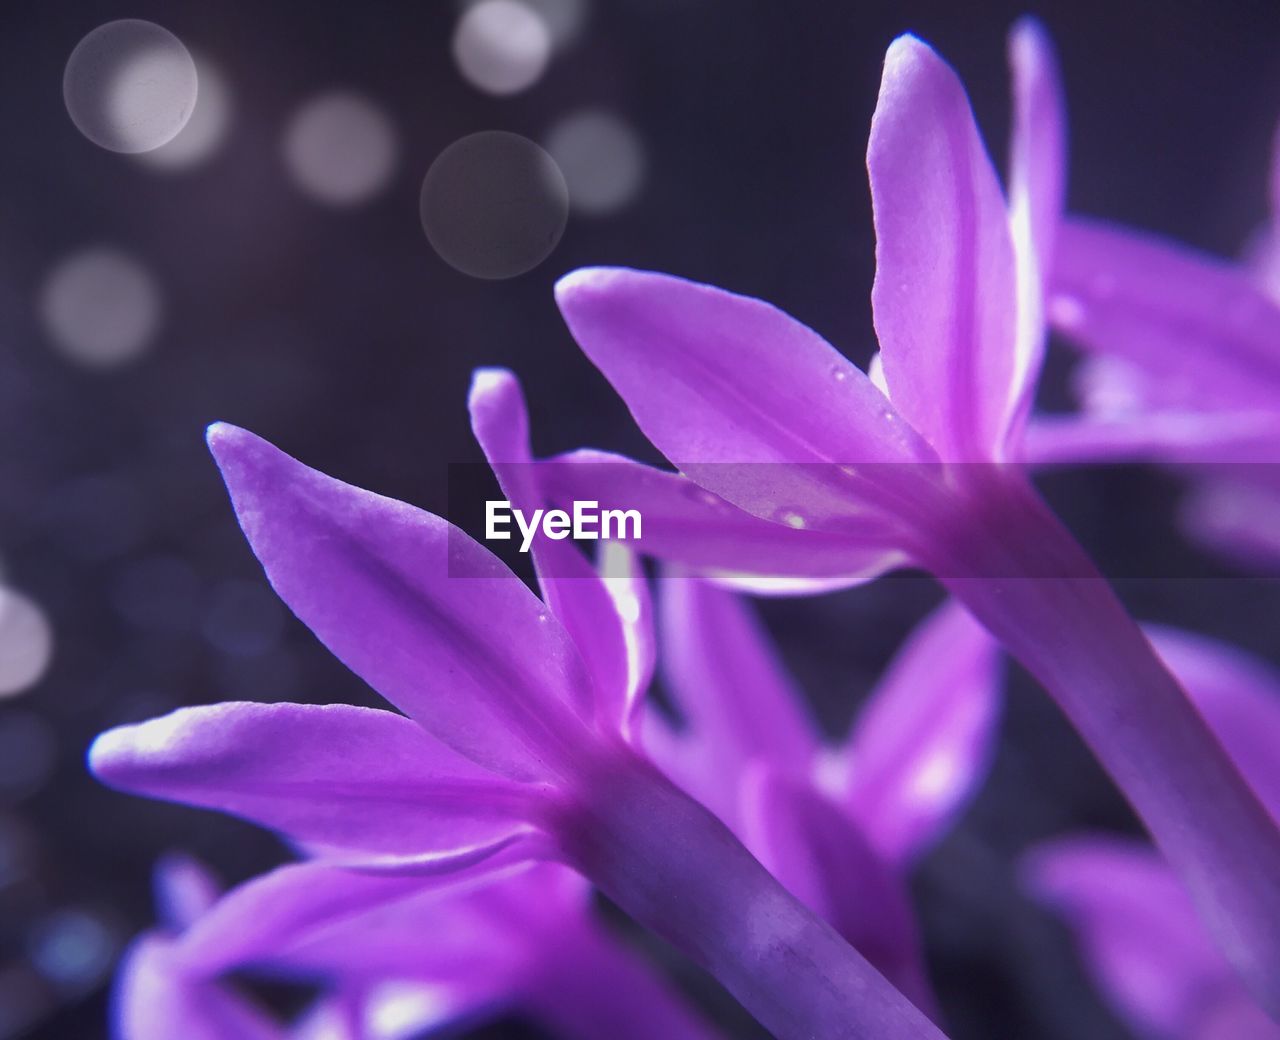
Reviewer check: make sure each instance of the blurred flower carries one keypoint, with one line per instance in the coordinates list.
(909, 464)
(840, 827)
(1182, 367)
(1138, 932)
(526, 941)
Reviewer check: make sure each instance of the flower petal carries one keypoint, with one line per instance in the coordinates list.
(728, 682)
(337, 775)
(924, 739)
(691, 526)
(744, 399)
(821, 857)
(1137, 929)
(1239, 697)
(155, 1000)
(1193, 322)
(428, 617)
(1037, 187)
(284, 918)
(570, 585)
(944, 294)
(184, 890)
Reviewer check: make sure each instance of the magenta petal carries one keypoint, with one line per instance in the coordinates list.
(944, 293)
(155, 1000)
(1239, 697)
(825, 862)
(335, 775)
(1137, 929)
(1235, 1017)
(746, 400)
(428, 617)
(688, 525)
(1037, 186)
(925, 738)
(570, 585)
(1194, 323)
(728, 682)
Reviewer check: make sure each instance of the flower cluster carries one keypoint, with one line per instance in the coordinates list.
(448, 850)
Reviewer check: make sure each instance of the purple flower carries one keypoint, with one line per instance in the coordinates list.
(399, 959)
(1182, 367)
(157, 997)
(839, 826)
(515, 748)
(907, 466)
(1137, 930)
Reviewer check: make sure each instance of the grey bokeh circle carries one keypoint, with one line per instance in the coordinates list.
(494, 205)
(130, 86)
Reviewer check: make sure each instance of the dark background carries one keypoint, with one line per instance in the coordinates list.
(342, 337)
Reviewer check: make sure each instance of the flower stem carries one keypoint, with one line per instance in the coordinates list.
(679, 871)
(1063, 622)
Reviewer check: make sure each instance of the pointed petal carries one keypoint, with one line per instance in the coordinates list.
(336, 775)
(727, 680)
(184, 890)
(691, 526)
(1037, 187)
(1137, 930)
(570, 585)
(1192, 322)
(1239, 697)
(944, 293)
(428, 617)
(155, 1000)
(750, 403)
(821, 857)
(281, 917)
(923, 742)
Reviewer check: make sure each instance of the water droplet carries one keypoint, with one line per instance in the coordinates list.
(840, 373)
(130, 86)
(341, 149)
(793, 519)
(494, 205)
(26, 643)
(602, 161)
(502, 46)
(100, 308)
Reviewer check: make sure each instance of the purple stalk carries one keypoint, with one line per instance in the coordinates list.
(678, 870)
(1066, 626)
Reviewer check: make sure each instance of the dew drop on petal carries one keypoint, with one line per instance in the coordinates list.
(340, 149)
(792, 519)
(130, 86)
(204, 132)
(839, 373)
(26, 642)
(494, 205)
(602, 159)
(501, 46)
(100, 307)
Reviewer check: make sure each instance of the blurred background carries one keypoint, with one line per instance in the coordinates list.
(308, 258)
